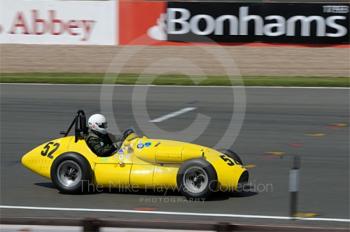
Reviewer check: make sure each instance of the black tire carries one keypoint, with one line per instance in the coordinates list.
(232, 155)
(83, 175)
(208, 172)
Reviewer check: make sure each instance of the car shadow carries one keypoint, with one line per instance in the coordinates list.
(221, 196)
(218, 196)
(50, 185)
(46, 185)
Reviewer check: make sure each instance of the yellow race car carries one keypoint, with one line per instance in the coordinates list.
(196, 171)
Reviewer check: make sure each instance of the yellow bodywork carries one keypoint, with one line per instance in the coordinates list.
(141, 162)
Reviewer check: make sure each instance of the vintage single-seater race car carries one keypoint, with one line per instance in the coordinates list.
(196, 171)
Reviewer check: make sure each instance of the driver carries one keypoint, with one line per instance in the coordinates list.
(98, 139)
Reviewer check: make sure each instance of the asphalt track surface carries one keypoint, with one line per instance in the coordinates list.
(295, 121)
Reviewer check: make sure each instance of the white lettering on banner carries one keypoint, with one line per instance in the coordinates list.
(336, 9)
(209, 22)
(173, 21)
(180, 21)
(278, 26)
(58, 22)
(341, 30)
(219, 27)
(245, 18)
(305, 25)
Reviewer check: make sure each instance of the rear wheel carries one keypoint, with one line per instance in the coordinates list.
(71, 173)
(196, 179)
(232, 155)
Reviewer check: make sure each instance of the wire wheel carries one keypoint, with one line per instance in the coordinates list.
(195, 179)
(69, 173)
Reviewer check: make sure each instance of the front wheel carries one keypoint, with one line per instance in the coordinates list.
(71, 173)
(197, 179)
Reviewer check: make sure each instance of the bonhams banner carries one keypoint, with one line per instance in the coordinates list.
(237, 22)
(58, 22)
(286, 23)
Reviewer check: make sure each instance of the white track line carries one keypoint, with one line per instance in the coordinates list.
(179, 86)
(173, 114)
(174, 213)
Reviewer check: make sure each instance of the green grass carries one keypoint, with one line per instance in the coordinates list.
(95, 78)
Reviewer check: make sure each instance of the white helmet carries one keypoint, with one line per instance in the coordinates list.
(97, 122)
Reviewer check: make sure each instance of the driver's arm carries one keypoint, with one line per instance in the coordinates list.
(117, 141)
(100, 148)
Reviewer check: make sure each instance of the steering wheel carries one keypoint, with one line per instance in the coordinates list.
(126, 133)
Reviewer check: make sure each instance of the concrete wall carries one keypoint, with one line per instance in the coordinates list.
(286, 60)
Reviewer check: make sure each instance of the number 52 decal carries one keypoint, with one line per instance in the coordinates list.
(49, 149)
(227, 159)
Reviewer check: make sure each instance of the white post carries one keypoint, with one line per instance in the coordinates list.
(294, 186)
